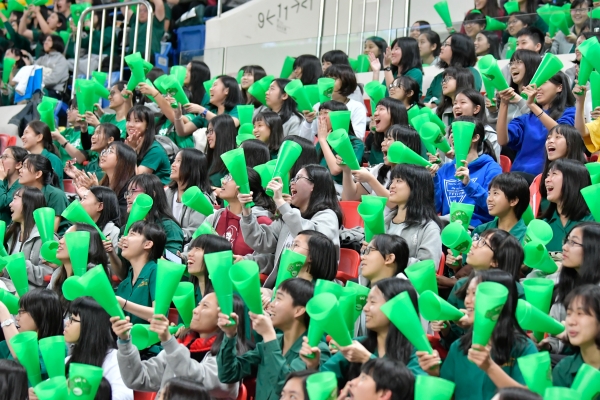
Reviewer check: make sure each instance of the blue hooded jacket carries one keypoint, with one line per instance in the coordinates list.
(449, 189)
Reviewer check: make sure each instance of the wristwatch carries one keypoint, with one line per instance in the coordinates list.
(204, 113)
(8, 322)
(387, 69)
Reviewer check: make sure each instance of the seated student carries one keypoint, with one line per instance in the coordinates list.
(332, 57)
(454, 80)
(381, 378)
(23, 235)
(193, 356)
(256, 152)
(383, 338)
(516, 21)
(55, 81)
(529, 38)
(507, 200)
(120, 102)
(88, 335)
(429, 47)
(307, 156)
(386, 256)
(487, 42)
(375, 45)
(12, 161)
(142, 247)
(307, 68)
(220, 137)
(190, 168)
(321, 255)
(551, 104)
(199, 247)
(563, 141)
(473, 23)
(561, 44)
(294, 387)
(37, 173)
(582, 321)
(405, 89)
(494, 249)
(278, 354)
(252, 73)
(68, 142)
(516, 393)
(13, 379)
(316, 207)
(403, 60)
(387, 113)
(269, 130)
(579, 267)
(567, 207)
(118, 162)
(102, 206)
(478, 371)
(37, 139)
(178, 388)
(414, 218)
(280, 102)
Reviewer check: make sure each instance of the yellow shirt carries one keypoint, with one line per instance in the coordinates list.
(592, 142)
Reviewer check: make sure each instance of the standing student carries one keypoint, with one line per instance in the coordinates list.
(551, 104)
(252, 73)
(453, 81)
(220, 137)
(307, 68)
(269, 130)
(37, 139)
(402, 60)
(479, 371)
(387, 113)
(429, 47)
(119, 103)
(11, 161)
(278, 354)
(102, 206)
(280, 102)
(88, 334)
(118, 162)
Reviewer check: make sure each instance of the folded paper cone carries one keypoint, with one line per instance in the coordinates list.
(590, 51)
(288, 67)
(462, 132)
(323, 286)
(422, 276)
(489, 301)
(140, 208)
(52, 389)
(558, 23)
(96, 284)
(78, 245)
(48, 252)
(376, 92)
(10, 301)
(457, 238)
(260, 87)
(325, 89)
(536, 371)
(3, 252)
(138, 74)
(17, 269)
(340, 120)
(362, 292)
(549, 67)
(84, 380)
(562, 393)
(587, 382)
(296, 91)
(493, 24)
(287, 157)
(594, 82)
(443, 11)
(25, 348)
(434, 308)
(245, 113)
(399, 153)
(53, 350)
(528, 215)
(322, 386)
(488, 66)
(174, 89)
(86, 95)
(290, 263)
(179, 72)
(401, 312)
(532, 319)
(44, 221)
(235, 161)
(373, 219)
(46, 112)
(185, 301)
(537, 257)
(218, 266)
(325, 311)
(75, 213)
(433, 388)
(205, 228)
(169, 275)
(591, 194)
(244, 276)
(538, 230)
(312, 91)
(341, 144)
(142, 337)
(511, 7)
(462, 213)
(431, 133)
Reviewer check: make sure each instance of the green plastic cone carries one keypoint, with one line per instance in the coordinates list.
(142, 337)
(461, 212)
(185, 301)
(536, 371)
(538, 292)
(84, 381)
(287, 157)
(78, 245)
(169, 275)
(341, 144)
(457, 238)
(362, 292)
(376, 92)
(443, 11)
(46, 112)
(100, 77)
(537, 257)
(65, 36)
(95, 283)
(433, 388)
(528, 215)
(10, 301)
(594, 82)
(287, 68)
(562, 393)
(174, 89)
(591, 194)
(86, 96)
(179, 72)
(511, 48)
(489, 301)
(52, 389)
(431, 133)
(347, 303)
(244, 276)
(558, 23)
(77, 10)
(312, 91)
(488, 66)
(17, 269)
(590, 51)
(218, 266)
(322, 386)
(25, 348)
(48, 252)
(422, 276)
(549, 67)
(235, 161)
(53, 353)
(296, 91)
(532, 319)
(44, 221)
(493, 24)
(490, 90)
(511, 7)
(3, 252)
(75, 213)
(209, 84)
(401, 312)
(204, 229)
(399, 153)
(325, 311)
(315, 335)
(197, 201)
(340, 120)
(325, 86)
(260, 87)
(140, 208)
(587, 382)
(462, 132)
(245, 113)
(323, 286)
(372, 216)
(138, 68)
(434, 308)
(362, 63)
(538, 230)
(266, 173)
(290, 264)
(433, 117)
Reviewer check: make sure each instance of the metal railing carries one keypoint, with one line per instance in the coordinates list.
(103, 9)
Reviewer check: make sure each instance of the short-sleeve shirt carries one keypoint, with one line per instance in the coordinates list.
(183, 142)
(57, 166)
(74, 138)
(202, 122)
(141, 292)
(157, 160)
(112, 119)
(560, 232)
(518, 231)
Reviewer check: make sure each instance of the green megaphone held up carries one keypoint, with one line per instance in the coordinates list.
(52, 389)
(536, 371)
(324, 310)
(169, 275)
(434, 308)
(197, 201)
(139, 68)
(587, 382)
(260, 87)
(549, 67)
(532, 319)
(78, 245)
(341, 144)
(84, 381)
(401, 312)
(322, 386)
(53, 349)
(142, 337)
(422, 276)
(25, 348)
(235, 161)
(75, 213)
(289, 152)
(185, 301)
(139, 209)
(245, 278)
(17, 269)
(433, 388)
(489, 302)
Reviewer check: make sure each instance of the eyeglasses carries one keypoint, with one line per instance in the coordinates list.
(226, 179)
(71, 319)
(368, 250)
(132, 191)
(581, 10)
(296, 245)
(512, 22)
(395, 84)
(515, 63)
(447, 79)
(297, 178)
(210, 131)
(107, 151)
(571, 242)
(5, 157)
(445, 44)
(479, 242)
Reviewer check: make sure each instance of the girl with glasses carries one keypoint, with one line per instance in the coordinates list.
(406, 89)
(454, 80)
(11, 162)
(565, 44)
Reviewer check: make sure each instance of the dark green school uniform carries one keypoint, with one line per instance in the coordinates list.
(564, 372)
(93, 165)
(201, 122)
(271, 366)
(215, 179)
(413, 73)
(158, 30)
(340, 366)
(375, 156)
(174, 235)
(518, 231)
(57, 166)
(74, 138)
(435, 89)
(19, 41)
(474, 384)
(183, 142)
(157, 160)
(5, 354)
(106, 41)
(560, 232)
(359, 149)
(142, 291)
(55, 198)
(112, 119)
(6, 197)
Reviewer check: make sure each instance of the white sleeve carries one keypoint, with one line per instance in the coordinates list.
(112, 374)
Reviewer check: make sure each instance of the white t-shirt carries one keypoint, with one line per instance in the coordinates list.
(177, 208)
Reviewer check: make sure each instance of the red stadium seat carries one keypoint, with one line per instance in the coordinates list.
(143, 395)
(351, 217)
(441, 266)
(173, 316)
(69, 186)
(243, 393)
(505, 163)
(4, 141)
(348, 266)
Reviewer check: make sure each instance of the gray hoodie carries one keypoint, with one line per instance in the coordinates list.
(56, 70)
(190, 220)
(424, 241)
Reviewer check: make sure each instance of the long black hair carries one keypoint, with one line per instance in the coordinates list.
(153, 187)
(400, 133)
(95, 334)
(420, 207)
(259, 195)
(322, 256)
(258, 73)
(493, 42)
(273, 121)
(40, 128)
(563, 99)
(256, 152)
(333, 105)
(289, 106)
(311, 68)
(531, 60)
(483, 145)
(393, 244)
(307, 156)
(110, 211)
(324, 196)
(464, 80)
(346, 76)
(410, 59)
(589, 297)
(13, 381)
(234, 96)
(507, 334)
(209, 244)
(381, 45)
(193, 171)
(434, 39)
(478, 100)
(32, 199)
(144, 114)
(508, 252)
(44, 308)
(225, 133)
(199, 73)
(410, 85)
(575, 177)
(37, 162)
(184, 389)
(398, 116)
(463, 52)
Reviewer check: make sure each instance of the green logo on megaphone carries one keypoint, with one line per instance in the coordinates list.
(461, 248)
(494, 313)
(360, 302)
(460, 216)
(79, 386)
(294, 268)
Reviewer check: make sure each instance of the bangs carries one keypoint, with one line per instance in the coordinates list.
(576, 301)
